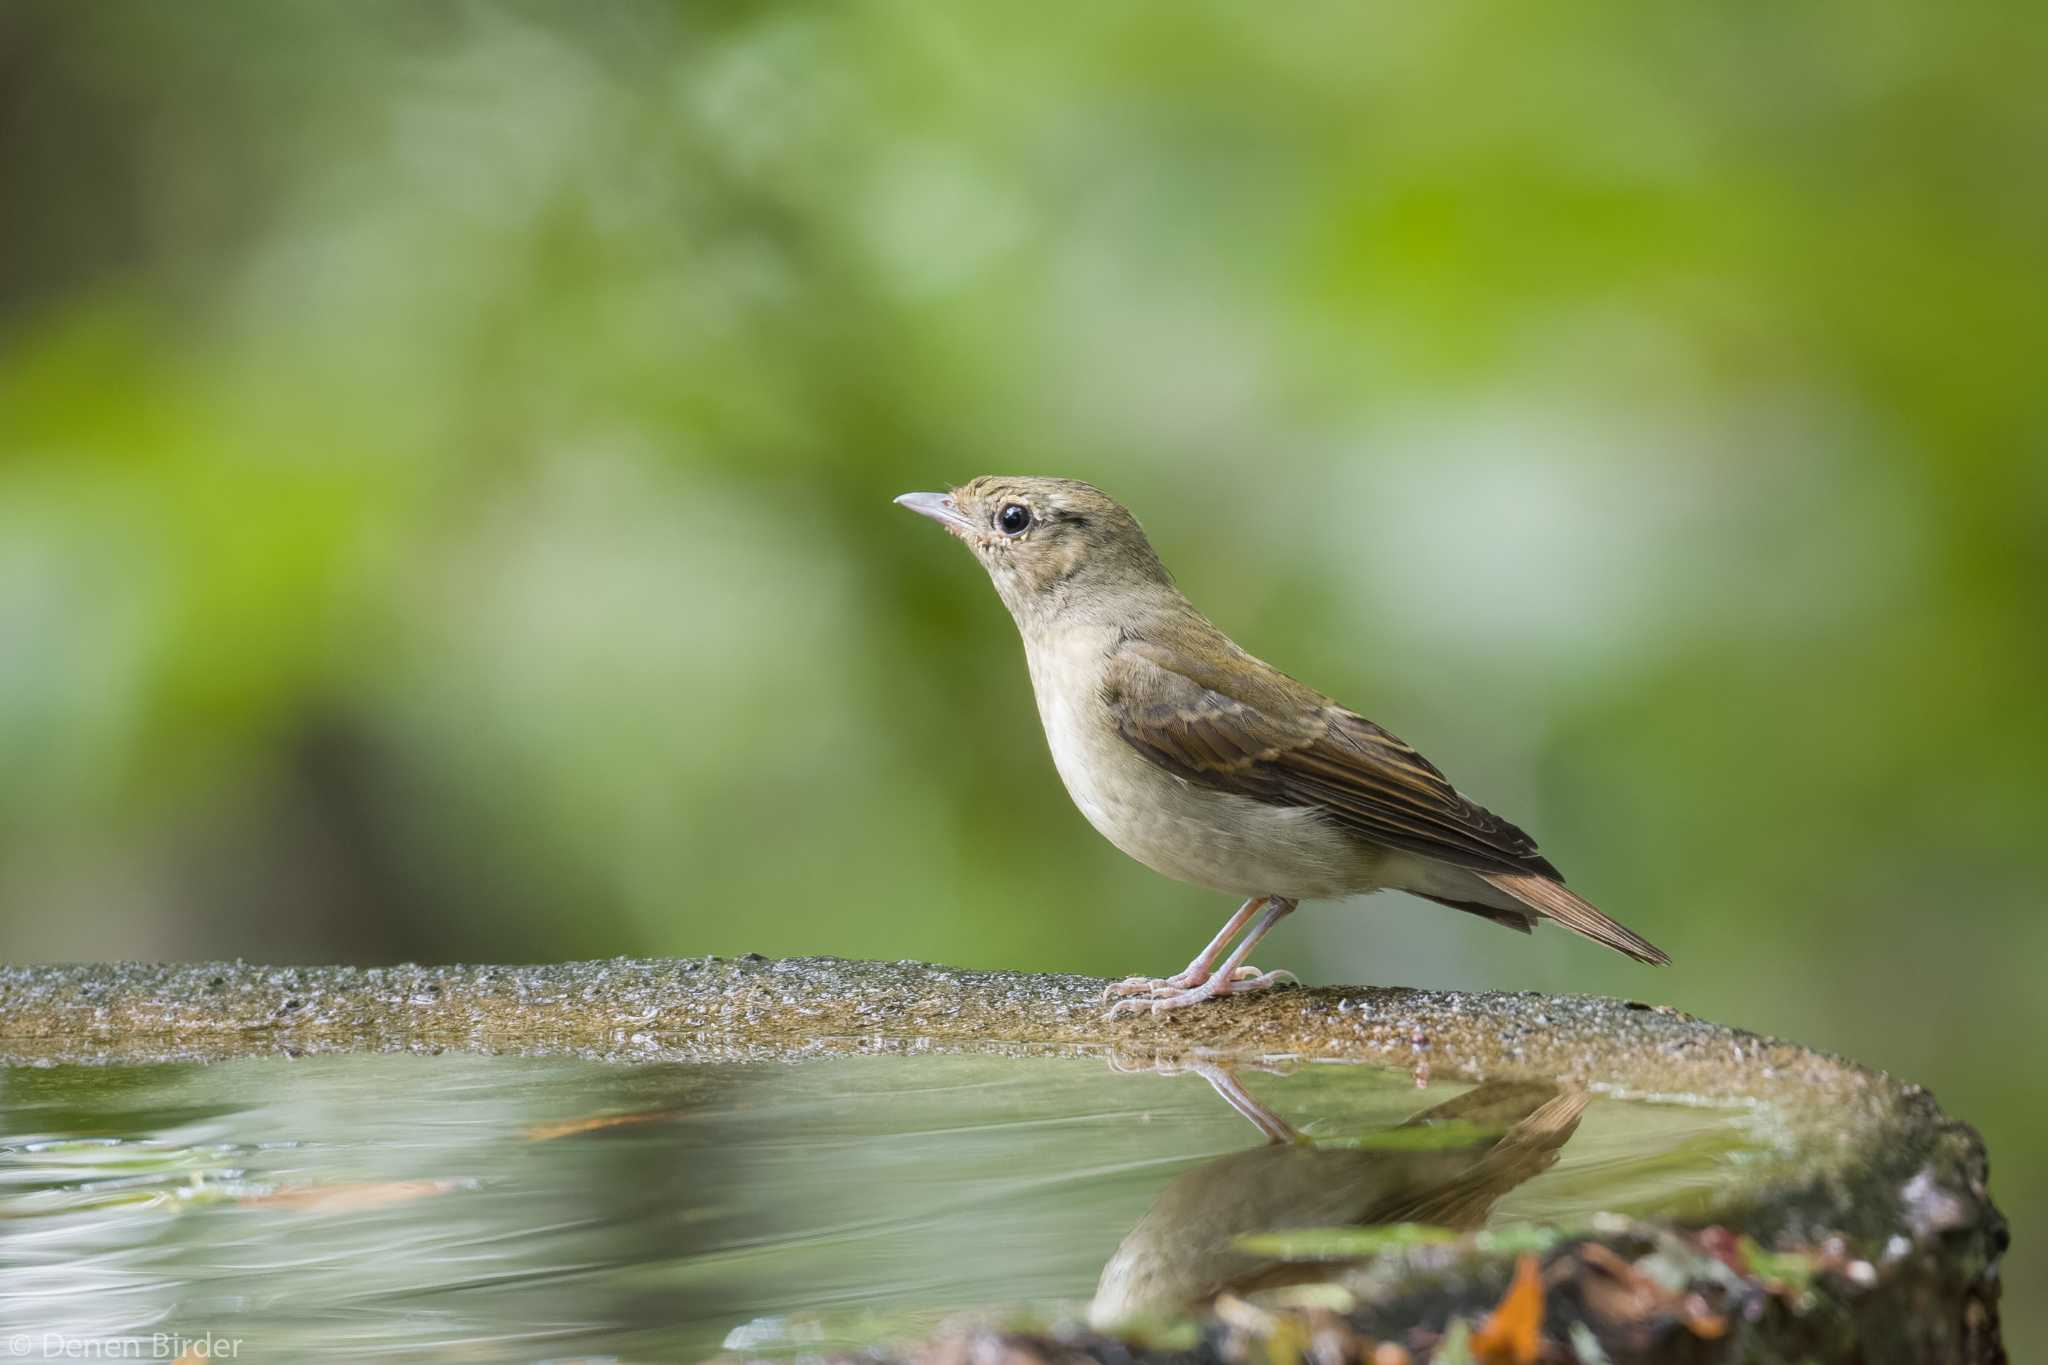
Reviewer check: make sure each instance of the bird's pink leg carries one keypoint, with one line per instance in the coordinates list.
(1231, 1090)
(1229, 979)
(1200, 969)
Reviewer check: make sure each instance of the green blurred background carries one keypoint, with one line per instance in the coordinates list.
(445, 453)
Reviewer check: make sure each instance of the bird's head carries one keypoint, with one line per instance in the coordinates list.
(1049, 545)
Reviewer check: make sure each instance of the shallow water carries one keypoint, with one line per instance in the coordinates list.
(480, 1209)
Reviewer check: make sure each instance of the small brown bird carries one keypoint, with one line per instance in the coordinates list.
(1215, 768)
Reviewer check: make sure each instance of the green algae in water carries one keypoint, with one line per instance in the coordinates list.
(1323, 1244)
(508, 1208)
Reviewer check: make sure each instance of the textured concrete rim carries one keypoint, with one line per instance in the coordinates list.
(710, 1009)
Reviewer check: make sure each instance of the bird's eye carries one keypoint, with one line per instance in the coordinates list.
(1014, 519)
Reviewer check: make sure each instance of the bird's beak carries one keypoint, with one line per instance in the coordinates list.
(939, 507)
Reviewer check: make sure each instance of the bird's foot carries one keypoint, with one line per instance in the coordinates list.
(1169, 985)
(1161, 994)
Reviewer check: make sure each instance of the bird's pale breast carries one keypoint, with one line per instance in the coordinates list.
(1214, 839)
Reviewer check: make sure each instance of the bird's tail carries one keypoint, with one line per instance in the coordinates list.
(1552, 900)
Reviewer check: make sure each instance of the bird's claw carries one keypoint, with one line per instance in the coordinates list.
(1169, 985)
(1159, 994)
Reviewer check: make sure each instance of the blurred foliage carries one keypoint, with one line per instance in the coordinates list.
(445, 453)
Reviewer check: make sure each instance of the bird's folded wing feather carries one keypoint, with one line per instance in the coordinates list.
(1237, 726)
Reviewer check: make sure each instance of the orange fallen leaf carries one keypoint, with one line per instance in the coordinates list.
(349, 1198)
(1616, 1290)
(544, 1132)
(1619, 1293)
(1513, 1332)
(1702, 1321)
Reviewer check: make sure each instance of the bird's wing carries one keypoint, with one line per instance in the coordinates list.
(1241, 727)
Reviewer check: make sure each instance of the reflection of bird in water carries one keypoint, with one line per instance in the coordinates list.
(1184, 1251)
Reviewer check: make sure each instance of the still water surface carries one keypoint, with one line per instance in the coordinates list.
(468, 1208)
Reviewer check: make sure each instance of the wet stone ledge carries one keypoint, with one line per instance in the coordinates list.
(1878, 1244)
